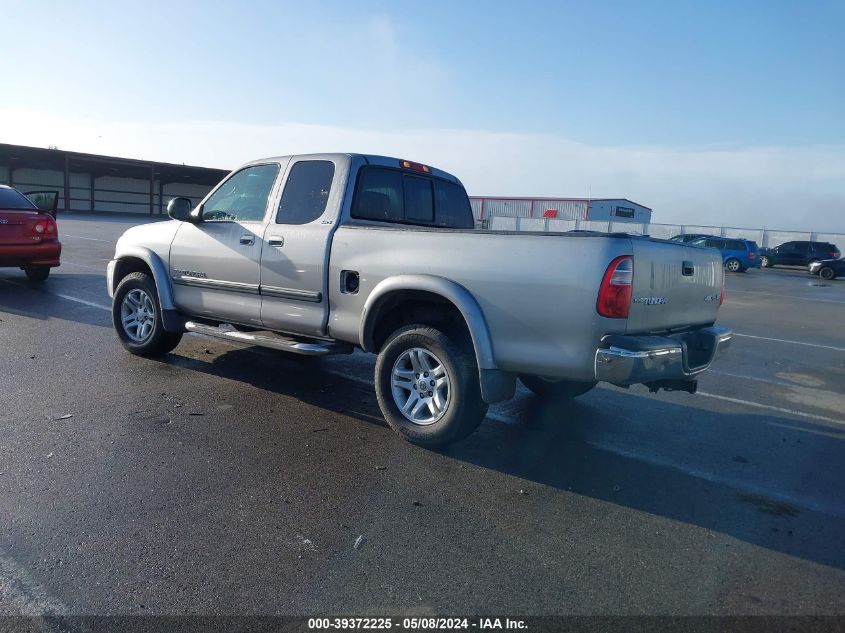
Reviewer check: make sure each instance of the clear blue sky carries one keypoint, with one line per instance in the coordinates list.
(675, 75)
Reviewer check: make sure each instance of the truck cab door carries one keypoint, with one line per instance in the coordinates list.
(215, 263)
(294, 260)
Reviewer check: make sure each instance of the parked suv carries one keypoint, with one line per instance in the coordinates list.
(738, 255)
(798, 253)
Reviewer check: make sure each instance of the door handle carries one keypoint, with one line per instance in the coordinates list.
(276, 240)
(248, 239)
(688, 269)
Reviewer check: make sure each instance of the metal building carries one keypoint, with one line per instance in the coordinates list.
(90, 182)
(590, 209)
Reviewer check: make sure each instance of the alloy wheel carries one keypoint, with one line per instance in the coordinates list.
(420, 386)
(137, 315)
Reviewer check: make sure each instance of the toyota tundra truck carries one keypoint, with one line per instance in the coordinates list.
(327, 253)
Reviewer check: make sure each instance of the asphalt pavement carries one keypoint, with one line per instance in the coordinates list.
(235, 480)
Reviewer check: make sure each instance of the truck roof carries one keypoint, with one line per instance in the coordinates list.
(370, 159)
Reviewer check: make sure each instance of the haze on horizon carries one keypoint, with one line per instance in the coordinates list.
(709, 113)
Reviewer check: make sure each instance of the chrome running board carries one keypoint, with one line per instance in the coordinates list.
(270, 340)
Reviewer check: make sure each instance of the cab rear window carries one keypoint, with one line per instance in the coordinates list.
(390, 195)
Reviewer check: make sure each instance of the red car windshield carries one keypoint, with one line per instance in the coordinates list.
(13, 200)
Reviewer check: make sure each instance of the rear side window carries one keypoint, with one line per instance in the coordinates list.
(389, 195)
(453, 208)
(380, 196)
(735, 245)
(714, 243)
(306, 192)
(12, 199)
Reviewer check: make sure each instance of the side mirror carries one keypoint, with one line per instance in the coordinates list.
(180, 209)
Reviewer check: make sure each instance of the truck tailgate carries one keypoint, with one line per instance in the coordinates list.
(674, 286)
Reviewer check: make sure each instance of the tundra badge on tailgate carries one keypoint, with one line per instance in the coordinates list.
(651, 301)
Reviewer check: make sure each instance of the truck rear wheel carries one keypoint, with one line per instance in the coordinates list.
(558, 389)
(427, 386)
(136, 315)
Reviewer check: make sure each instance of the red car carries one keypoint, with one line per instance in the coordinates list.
(29, 237)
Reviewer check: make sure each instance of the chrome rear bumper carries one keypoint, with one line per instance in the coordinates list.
(629, 360)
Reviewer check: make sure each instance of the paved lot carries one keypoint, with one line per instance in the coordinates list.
(232, 480)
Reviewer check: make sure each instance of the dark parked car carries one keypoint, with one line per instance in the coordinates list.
(738, 255)
(685, 238)
(828, 268)
(798, 253)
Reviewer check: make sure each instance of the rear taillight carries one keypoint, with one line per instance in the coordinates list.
(45, 229)
(751, 255)
(616, 286)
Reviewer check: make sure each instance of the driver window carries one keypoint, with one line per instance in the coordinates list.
(243, 197)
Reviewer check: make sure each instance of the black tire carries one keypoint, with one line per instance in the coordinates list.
(764, 261)
(827, 273)
(464, 409)
(158, 341)
(733, 265)
(556, 389)
(37, 274)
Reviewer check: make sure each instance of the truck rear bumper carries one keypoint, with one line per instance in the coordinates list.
(660, 360)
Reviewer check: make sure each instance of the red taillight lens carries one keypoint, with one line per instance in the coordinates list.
(616, 286)
(751, 255)
(45, 228)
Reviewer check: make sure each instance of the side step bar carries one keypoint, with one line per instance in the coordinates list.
(270, 340)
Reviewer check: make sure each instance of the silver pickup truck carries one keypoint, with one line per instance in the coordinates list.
(321, 254)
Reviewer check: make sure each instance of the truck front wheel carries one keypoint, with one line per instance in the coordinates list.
(137, 318)
(427, 386)
(561, 389)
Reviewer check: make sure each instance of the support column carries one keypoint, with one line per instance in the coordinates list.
(67, 182)
(152, 189)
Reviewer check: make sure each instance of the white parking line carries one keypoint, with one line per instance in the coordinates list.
(777, 294)
(79, 237)
(24, 595)
(82, 301)
(769, 407)
(781, 340)
(506, 419)
(90, 304)
(66, 262)
(741, 486)
(509, 420)
(768, 381)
